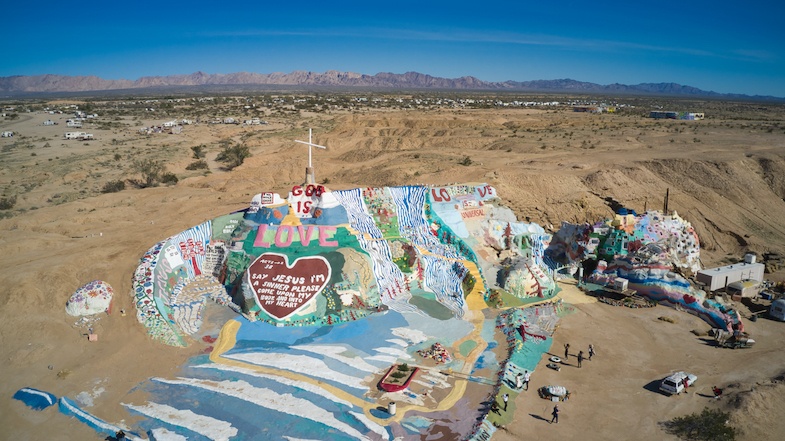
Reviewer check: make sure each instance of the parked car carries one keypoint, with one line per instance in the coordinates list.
(674, 384)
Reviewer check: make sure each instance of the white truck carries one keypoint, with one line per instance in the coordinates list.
(674, 384)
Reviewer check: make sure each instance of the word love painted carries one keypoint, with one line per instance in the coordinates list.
(281, 290)
(285, 235)
(446, 194)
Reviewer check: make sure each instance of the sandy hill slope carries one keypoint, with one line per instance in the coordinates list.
(725, 175)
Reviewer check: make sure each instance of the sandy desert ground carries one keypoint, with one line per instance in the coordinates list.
(726, 175)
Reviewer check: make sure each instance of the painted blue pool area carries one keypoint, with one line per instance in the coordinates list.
(531, 353)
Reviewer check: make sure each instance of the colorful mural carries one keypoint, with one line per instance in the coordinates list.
(649, 251)
(331, 290)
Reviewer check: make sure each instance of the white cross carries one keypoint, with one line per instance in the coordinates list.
(310, 144)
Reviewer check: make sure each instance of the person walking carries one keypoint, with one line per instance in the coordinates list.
(566, 351)
(505, 397)
(519, 381)
(591, 352)
(526, 378)
(580, 358)
(555, 414)
(495, 407)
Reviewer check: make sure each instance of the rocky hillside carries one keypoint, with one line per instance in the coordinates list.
(16, 85)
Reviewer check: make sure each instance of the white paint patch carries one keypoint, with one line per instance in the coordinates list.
(375, 428)
(268, 399)
(383, 358)
(398, 342)
(335, 352)
(308, 387)
(394, 352)
(413, 335)
(161, 434)
(204, 425)
(301, 364)
(401, 397)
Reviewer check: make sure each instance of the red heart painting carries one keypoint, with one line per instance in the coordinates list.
(281, 290)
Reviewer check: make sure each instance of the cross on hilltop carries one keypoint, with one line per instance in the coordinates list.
(309, 176)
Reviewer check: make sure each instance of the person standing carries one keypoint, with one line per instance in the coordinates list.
(566, 351)
(505, 397)
(580, 358)
(526, 378)
(591, 352)
(555, 414)
(519, 381)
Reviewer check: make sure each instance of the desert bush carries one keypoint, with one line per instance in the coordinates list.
(397, 374)
(404, 367)
(197, 165)
(7, 203)
(234, 156)
(113, 186)
(466, 161)
(151, 171)
(198, 151)
(709, 425)
(169, 178)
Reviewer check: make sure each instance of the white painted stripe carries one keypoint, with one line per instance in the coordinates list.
(38, 392)
(375, 427)
(161, 434)
(383, 358)
(209, 427)
(301, 364)
(263, 397)
(303, 385)
(334, 352)
(395, 352)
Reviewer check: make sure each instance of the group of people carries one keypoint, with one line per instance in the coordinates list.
(522, 380)
(580, 353)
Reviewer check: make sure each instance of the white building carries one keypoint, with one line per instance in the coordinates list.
(49, 122)
(82, 136)
(718, 278)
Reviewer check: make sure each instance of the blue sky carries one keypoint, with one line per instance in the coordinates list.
(722, 46)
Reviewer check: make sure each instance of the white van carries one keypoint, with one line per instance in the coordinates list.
(674, 384)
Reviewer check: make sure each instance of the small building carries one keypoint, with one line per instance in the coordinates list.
(777, 311)
(49, 122)
(744, 288)
(690, 116)
(720, 277)
(82, 136)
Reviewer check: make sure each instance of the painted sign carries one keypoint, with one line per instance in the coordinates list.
(285, 235)
(281, 290)
(470, 214)
(305, 200)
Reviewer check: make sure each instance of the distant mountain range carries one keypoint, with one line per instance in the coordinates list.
(43, 84)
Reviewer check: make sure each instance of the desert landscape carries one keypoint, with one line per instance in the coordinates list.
(76, 210)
